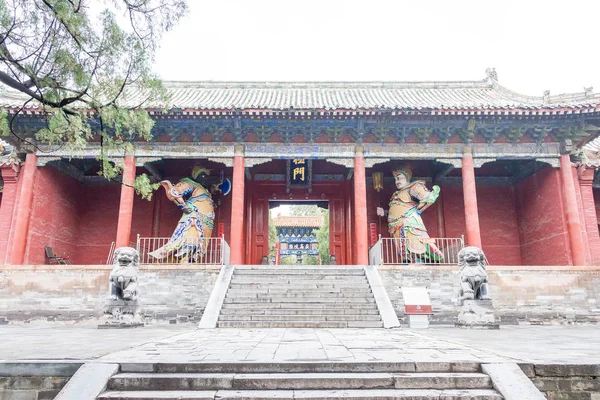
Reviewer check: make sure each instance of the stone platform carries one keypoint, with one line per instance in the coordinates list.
(185, 343)
(545, 353)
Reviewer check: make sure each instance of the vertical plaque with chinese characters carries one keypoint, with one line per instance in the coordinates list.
(299, 174)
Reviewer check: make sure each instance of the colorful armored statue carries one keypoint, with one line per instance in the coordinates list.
(190, 238)
(404, 217)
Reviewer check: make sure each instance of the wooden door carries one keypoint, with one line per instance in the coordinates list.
(257, 219)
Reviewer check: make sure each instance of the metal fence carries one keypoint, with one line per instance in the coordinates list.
(396, 251)
(214, 251)
(111, 252)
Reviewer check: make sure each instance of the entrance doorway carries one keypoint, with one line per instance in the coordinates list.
(299, 233)
(265, 189)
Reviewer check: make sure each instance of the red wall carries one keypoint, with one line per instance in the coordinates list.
(98, 228)
(499, 224)
(7, 214)
(54, 216)
(597, 203)
(143, 215)
(542, 226)
(524, 224)
(454, 210)
(497, 219)
(589, 216)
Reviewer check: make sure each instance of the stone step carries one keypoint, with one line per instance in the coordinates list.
(304, 367)
(298, 286)
(314, 294)
(308, 306)
(279, 299)
(295, 266)
(372, 394)
(294, 290)
(299, 271)
(303, 311)
(298, 324)
(298, 278)
(298, 317)
(295, 381)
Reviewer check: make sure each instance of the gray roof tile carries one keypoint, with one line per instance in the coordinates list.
(484, 94)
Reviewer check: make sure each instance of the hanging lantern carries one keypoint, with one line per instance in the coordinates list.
(378, 180)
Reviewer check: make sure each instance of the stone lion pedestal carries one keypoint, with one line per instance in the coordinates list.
(122, 309)
(476, 309)
(477, 314)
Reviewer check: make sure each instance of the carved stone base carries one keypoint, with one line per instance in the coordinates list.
(121, 314)
(477, 314)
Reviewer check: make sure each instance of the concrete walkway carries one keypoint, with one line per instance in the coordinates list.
(184, 343)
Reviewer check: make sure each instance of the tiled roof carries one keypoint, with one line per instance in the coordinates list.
(298, 221)
(484, 94)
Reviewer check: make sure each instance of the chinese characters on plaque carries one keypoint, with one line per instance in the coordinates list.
(299, 174)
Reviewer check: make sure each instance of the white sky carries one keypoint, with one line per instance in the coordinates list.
(535, 45)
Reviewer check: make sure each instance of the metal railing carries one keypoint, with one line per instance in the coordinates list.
(111, 251)
(397, 251)
(225, 252)
(375, 253)
(213, 251)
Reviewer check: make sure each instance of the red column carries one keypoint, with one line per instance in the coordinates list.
(10, 175)
(156, 210)
(21, 226)
(237, 210)
(360, 211)
(470, 199)
(586, 179)
(573, 224)
(126, 204)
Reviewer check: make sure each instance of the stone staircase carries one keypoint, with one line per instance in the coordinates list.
(301, 381)
(299, 297)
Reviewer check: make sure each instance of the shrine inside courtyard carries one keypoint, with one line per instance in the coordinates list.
(514, 172)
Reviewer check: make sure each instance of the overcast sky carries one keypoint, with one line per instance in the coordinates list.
(534, 45)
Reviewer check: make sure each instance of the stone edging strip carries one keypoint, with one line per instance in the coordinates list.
(88, 382)
(511, 382)
(217, 296)
(386, 309)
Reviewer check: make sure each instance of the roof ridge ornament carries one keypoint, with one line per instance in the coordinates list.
(8, 155)
(491, 74)
(589, 91)
(546, 96)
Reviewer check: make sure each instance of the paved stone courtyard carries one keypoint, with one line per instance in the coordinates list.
(185, 343)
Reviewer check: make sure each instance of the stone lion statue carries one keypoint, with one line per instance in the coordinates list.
(124, 275)
(473, 276)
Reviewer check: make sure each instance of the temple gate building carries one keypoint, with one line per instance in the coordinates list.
(513, 170)
(297, 235)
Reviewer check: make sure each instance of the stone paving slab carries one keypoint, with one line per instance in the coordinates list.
(293, 345)
(59, 341)
(184, 343)
(535, 344)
